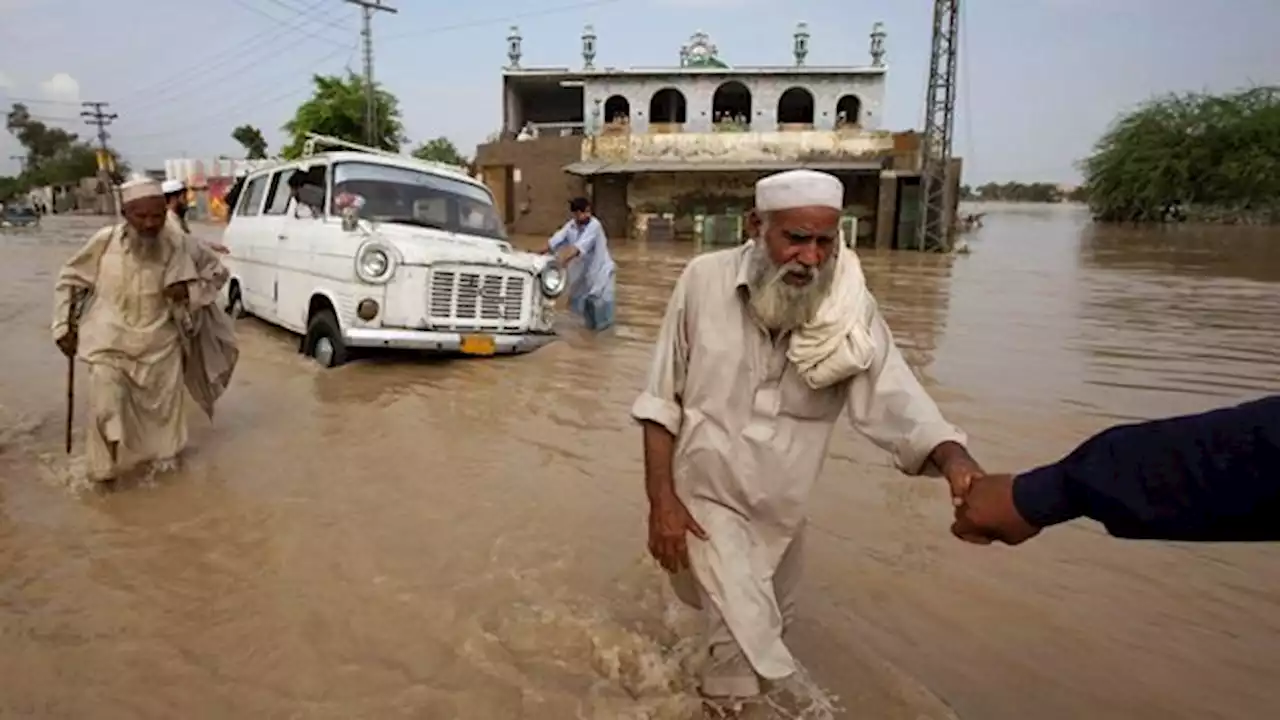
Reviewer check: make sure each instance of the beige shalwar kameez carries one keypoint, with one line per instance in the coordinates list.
(751, 438)
(142, 347)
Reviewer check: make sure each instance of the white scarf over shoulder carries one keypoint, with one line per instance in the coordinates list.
(836, 343)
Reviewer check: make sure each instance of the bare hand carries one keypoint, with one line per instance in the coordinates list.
(989, 513)
(219, 248)
(68, 343)
(959, 468)
(669, 523)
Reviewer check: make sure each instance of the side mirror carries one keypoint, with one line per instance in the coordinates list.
(311, 195)
(350, 219)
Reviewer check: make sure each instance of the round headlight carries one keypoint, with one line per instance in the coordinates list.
(552, 280)
(375, 263)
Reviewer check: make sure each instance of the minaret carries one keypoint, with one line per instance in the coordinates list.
(801, 46)
(588, 48)
(513, 48)
(877, 45)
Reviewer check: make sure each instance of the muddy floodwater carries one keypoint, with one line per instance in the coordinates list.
(405, 537)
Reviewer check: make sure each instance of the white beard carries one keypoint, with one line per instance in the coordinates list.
(782, 307)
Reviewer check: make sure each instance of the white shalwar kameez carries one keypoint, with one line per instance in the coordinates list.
(751, 437)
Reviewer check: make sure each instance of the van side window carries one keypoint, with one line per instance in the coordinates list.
(317, 178)
(251, 203)
(278, 197)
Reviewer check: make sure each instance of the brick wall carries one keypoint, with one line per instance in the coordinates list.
(541, 195)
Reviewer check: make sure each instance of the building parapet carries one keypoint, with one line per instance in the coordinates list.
(739, 147)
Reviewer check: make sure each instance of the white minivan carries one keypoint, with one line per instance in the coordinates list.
(362, 249)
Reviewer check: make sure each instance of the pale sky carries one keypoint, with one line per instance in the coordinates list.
(1040, 79)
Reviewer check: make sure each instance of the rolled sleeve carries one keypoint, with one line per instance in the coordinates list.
(890, 407)
(660, 401)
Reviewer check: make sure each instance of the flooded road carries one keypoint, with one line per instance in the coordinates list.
(400, 538)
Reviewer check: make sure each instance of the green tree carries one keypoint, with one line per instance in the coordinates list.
(337, 109)
(1212, 157)
(54, 156)
(40, 141)
(440, 150)
(255, 146)
(1039, 192)
(9, 187)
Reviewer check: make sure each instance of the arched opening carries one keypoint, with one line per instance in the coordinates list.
(667, 107)
(731, 105)
(617, 111)
(849, 111)
(795, 107)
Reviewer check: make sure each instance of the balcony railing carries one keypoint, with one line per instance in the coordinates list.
(556, 129)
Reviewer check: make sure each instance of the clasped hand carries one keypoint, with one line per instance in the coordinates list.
(985, 511)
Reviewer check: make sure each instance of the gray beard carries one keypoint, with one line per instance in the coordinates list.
(779, 306)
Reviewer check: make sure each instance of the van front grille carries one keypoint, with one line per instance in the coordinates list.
(467, 297)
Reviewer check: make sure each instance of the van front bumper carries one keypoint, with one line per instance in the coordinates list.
(445, 341)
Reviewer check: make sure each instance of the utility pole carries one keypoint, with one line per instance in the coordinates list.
(95, 114)
(935, 222)
(367, 8)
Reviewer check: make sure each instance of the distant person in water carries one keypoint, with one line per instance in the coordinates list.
(581, 246)
(1214, 476)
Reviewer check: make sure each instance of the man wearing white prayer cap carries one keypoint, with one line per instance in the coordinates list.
(133, 304)
(175, 197)
(762, 348)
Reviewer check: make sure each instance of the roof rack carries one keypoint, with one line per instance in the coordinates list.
(316, 141)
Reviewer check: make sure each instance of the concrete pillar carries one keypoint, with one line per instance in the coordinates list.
(887, 210)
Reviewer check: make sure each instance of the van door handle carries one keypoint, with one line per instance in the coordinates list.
(282, 237)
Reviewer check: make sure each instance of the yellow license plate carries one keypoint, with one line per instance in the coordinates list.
(478, 344)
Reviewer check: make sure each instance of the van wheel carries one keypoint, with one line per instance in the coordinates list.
(324, 341)
(235, 303)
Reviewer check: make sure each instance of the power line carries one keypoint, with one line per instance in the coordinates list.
(368, 7)
(39, 101)
(251, 96)
(252, 100)
(186, 88)
(253, 40)
(290, 6)
(502, 19)
(259, 11)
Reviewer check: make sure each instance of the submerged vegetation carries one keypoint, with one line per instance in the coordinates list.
(1197, 156)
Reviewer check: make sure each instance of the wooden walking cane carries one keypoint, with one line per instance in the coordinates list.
(72, 319)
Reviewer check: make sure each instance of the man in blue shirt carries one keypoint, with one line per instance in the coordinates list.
(582, 247)
(1212, 476)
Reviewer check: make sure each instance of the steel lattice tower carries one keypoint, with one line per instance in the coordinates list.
(932, 232)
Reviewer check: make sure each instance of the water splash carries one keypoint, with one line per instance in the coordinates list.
(643, 666)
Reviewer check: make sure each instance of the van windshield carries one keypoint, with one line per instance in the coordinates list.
(412, 197)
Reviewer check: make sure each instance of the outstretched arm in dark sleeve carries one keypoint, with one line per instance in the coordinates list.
(1214, 476)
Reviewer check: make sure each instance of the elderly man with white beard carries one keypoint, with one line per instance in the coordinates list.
(762, 348)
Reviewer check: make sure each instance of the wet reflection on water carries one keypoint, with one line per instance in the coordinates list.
(407, 536)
